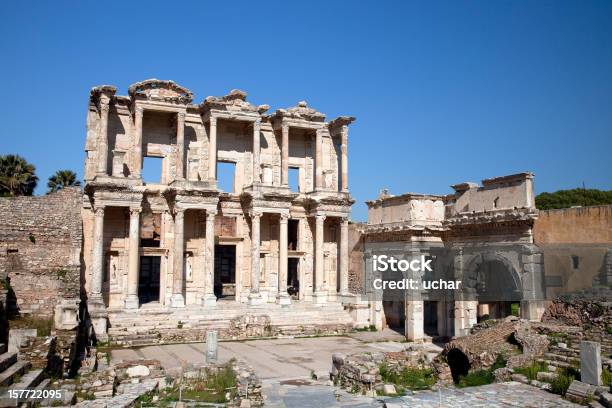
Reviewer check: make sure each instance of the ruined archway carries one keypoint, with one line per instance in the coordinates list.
(493, 281)
(459, 364)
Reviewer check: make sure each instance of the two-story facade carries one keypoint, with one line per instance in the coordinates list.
(182, 241)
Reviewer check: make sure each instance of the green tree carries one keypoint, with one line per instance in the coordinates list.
(17, 176)
(570, 198)
(61, 179)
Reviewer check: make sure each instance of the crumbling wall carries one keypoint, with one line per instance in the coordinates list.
(356, 269)
(582, 225)
(40, 250)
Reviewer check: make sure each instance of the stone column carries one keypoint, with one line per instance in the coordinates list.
(131, 301)
(180, 146)
(210, 300)
(254, 296)
(177, 299)
(320, 294)
(319, 159)
(344, 256)
(97, 276)
(285, 156)
(283, 297)
(414, 320)
(103, 138)
(344, 157)
(138, 141)
(256, 151)
(212, 150)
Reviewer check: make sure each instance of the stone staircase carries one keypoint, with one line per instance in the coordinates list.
(566, 354)
(18, 375)
(154, 325)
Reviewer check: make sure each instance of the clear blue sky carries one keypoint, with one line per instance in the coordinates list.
(443, 92)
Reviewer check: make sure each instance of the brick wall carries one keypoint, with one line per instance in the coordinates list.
(40, 249)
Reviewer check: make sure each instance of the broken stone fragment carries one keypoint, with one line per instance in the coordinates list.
(138, 371)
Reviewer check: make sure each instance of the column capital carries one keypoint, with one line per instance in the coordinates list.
(284, 217)
(212, 120)
(179, 212)
(344, 220)
(139, 111)
(135, 210)
(99, 210)
(321, 217)
(211, 212)
(255, 214)
(284, 127)
(181, 115)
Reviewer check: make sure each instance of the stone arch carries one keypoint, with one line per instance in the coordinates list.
(492, 276)
(458, 362)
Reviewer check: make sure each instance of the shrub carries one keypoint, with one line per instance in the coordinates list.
(561, 383)
(411, 378)
(606, 378)
(531, 371)
(478, 377)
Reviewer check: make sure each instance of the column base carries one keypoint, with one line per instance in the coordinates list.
(209, 300)
(319, 297)
(346, 297)
(132, 302)
(255, 299)
(98, 316)
(283, 299)
(177, 300)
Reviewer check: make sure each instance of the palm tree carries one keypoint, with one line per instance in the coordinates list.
(61, 179)
(17, 176)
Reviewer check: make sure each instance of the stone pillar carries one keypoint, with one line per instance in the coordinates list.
(177, 299)
(283, 297)
(103, 138)
(212, 150)
(256, 151)
(344, 158)
(180, 146)
(97, 275)
(320, 294)
(138, 141)
(285, 156)
(210, 300)
(344, 257)
(131, 301)
(590, 362)
(465, 316)
(254, 295)
(414, 320)
(533, 309)
(319, 159)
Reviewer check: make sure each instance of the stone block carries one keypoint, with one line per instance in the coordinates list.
(19, 338)
(389, 389)
(138, 371)
(590, 362)
(211, 346)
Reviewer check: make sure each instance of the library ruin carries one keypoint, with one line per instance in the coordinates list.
(158, 249)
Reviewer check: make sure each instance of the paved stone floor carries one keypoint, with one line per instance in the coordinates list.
(285, 367)
(510, 394)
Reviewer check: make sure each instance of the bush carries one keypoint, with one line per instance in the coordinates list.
(606, 378)
(411, 378)
(561, 383)
(531, 371)
(475, 378)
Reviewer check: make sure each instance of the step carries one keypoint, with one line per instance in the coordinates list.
(27, 382)
(7, 376)
(7, 360)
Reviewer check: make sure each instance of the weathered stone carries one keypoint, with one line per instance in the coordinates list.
(389, 389)
(590, 362)
(138, 371)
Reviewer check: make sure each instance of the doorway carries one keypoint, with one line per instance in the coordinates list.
(293, 278)
(225, 271)
(148, 279)
(430, 318)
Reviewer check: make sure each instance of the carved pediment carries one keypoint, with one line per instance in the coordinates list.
(234, 101)
(301, 111)
(160, 90)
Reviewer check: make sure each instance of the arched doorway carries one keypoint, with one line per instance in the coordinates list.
(494, 283)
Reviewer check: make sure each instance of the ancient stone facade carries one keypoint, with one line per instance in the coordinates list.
(40, 251)
(183, 241)
(480, 235)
